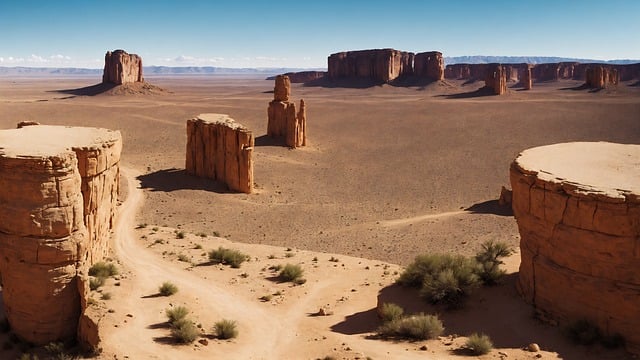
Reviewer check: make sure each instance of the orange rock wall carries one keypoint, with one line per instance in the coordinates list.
(429, 65)
(121, 67)
(56, 211)
(219, 148)
(580, 254)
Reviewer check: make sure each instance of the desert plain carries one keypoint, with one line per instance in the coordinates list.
(389, 172)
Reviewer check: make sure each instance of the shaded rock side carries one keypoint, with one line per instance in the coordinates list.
(121, 68)
(429, 64)
(577, 206)
(600, 77)
(283, 121)
(221, 149)
(48, 175)
(302, 76)
(496, 79)
(381, 65)
(525, 78)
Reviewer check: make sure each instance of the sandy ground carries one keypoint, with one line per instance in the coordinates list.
(390, 173)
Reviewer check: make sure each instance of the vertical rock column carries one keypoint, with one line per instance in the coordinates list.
(496, 79)
(218, 148)
(600, 77)
(282, 118)
(525, 78)
(121, 68)
(430, 65)
(578, 211)
(44, 243)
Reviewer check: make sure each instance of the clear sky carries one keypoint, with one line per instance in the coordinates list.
(284, 33)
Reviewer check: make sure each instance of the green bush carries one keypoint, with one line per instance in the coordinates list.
(390, 311)
(489, 262)
(167, 289)
(291, 272)
(418, 327)
(227, 257)
(184, 330)
(95, 283)
(225, 329)
(177, 313)
(479, 344)
(103, 270)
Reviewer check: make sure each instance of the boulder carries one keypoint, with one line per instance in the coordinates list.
(221, 149)
(58, 193)
(577, 206)
(121, 68)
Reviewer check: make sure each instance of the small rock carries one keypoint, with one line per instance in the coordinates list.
(111, 311)
(538, 356)
(533, 347)
(204, 342)
(424, 348)
(129, 315)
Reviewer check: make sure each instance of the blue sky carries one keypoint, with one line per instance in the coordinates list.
(283, 33)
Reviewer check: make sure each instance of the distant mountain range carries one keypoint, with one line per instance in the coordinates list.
(210, 70)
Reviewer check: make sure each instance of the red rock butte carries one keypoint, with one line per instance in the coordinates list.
(578, 211)
(282, 119)
(122, 68)
(221, 149)
(58, 194)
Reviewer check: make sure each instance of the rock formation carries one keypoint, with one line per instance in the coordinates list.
(382, 65)
(496, 79)
(221, 149)
(58, 194)
(525, 78)
(303, 76)
(429, 64)
(578, 211)
(600, 77)
(283, 120)
(121, 68)
(22, 124)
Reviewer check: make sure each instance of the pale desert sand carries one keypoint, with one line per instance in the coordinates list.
(388, 175)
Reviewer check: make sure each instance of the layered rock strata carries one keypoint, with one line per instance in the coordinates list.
(600, 77)
(381, 65)
(58, 194)
(121, 68)
(283, 121)
(496, 79)
(303, 76)
(221, 149)
(578, 211)
(429, 65)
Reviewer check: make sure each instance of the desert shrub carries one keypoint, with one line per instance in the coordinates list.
(180, 234)
(479, 344)
(227, 257)
(183, 257)
(583, 332)
(291, 272)
(489, 261)
(167, 289)
(225, 329)
(184, 330)
(103, 269)
(390, 311)
(176, 313)
(95, 283)
(419, 327)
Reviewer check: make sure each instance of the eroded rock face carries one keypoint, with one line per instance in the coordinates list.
(58, 193)
(496, 79)
(600, 77)
(578, 211)
(283, 122)
(121, 68)
(221, 149)
(429, 64)
(381, 65)
(303, 76)
(525, 78)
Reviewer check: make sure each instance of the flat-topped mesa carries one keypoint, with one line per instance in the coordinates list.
(221, 149)
(58, 195)
(578, 211)
(429, 64)
(283, 122)
(600, 77)
(121, 68)
(382, 65)
(496, 79)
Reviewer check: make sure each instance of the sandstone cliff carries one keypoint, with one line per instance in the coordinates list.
(525, 78)
(221, 149)
(381, 65)
(302, 76)
(600, 77)
(58, 192)
(496, 79)
(578, 211)
(121, 68)
(429, 65)
(283, 122)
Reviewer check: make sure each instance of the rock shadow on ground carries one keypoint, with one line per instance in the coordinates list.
(168, 180)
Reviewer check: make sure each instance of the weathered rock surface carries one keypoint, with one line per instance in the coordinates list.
(58, 193)
(578, 211)
(525, 78)
(381, 65)
(600, 77)
(221, 149)
(496, 79)
(121, 68)
(429, 64)
(283, 122)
